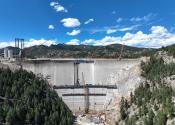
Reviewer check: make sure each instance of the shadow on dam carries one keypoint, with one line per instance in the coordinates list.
(82, 83)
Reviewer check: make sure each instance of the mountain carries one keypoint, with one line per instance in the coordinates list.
(85, 51)
(88, 51)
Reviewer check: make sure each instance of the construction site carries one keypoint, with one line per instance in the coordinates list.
(87, 86)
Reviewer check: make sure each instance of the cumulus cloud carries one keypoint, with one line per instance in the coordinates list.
(110, 31)
(73, 42)
(59, 8)
(88, 42)
(29, 43)
(107, 40)
(144, 18)
(70, 22)
(119, 20)
(89, 21)
(51, 27)
(33, 42)
(158, 37)
(74, 32)
(5, 44)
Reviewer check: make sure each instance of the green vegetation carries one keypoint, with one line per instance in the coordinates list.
(152, 99)
(170, 50)
(85, 51)
(27, 99)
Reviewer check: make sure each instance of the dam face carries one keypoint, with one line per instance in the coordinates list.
(70, 75)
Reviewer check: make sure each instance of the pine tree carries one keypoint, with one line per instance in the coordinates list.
(123, 108)
(10, 118)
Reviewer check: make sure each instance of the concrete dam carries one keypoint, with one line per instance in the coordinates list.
(83, 83)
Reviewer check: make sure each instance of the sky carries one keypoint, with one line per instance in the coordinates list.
(140, 23)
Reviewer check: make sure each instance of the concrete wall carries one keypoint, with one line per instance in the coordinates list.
(59, 73)
(77, 103)
(64, 73)
(96, 71)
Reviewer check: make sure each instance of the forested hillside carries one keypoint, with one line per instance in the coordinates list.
(29, 100)
(170, 50)
(85, 51)
(153, 102)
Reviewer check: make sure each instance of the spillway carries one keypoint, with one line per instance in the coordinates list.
(68, 75)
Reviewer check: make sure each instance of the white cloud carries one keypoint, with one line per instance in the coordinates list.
(144, 18)
(110, 31)
(74, 32)
(73, 42)
(107, 40)
(113, 29)
(89, 21)
(53, 4)
(59, 8)
(33, 42)
(29, 43)
(51, 27)
(5, 44)
(70, 22)
(88, 41)
(134, 27)
(159, 30)
(119, 20)
(158, 37)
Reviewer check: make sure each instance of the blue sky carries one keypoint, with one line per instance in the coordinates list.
(142, 23)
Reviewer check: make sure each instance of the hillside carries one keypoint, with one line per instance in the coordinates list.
(170, 50)
(27, 99)
(152, 103)
(84, 51)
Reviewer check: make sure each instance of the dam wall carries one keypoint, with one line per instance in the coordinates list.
(69, 72)
(68, 75)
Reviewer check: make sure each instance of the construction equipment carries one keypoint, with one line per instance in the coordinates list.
(86, 95)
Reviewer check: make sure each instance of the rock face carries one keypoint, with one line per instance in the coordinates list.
(128, 79)
(164, 55)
